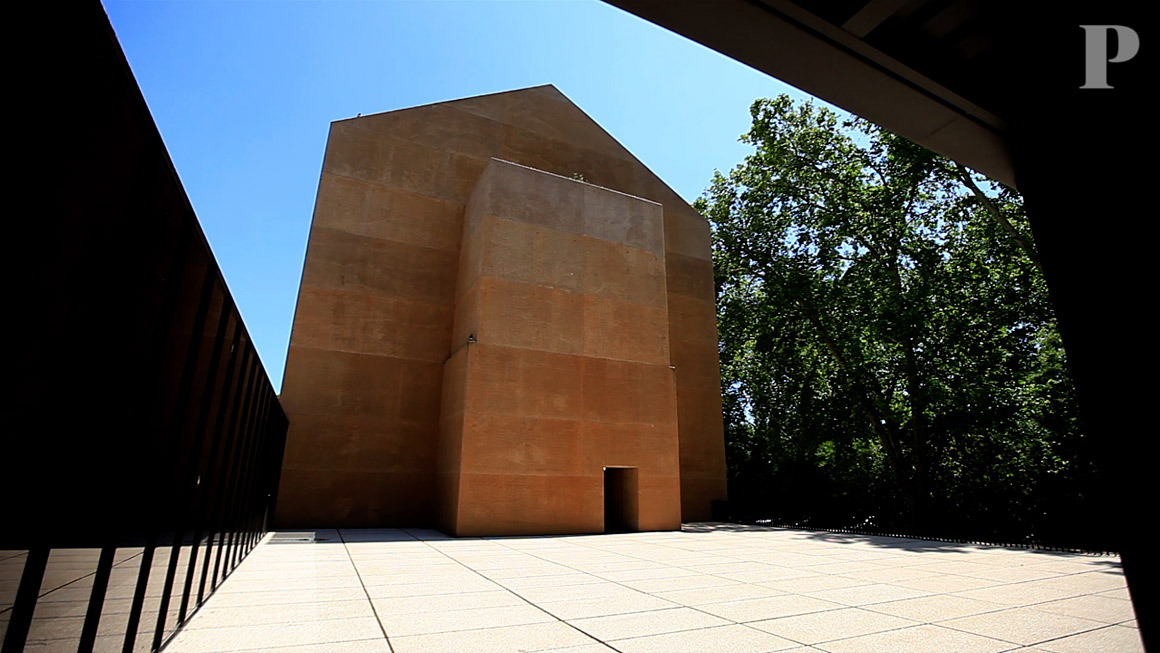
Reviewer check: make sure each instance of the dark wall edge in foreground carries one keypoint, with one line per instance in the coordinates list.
(140, 417)
(1013, 110)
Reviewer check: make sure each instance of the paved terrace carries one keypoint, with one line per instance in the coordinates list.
(706, 588)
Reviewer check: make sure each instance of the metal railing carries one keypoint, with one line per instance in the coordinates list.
(144, 440)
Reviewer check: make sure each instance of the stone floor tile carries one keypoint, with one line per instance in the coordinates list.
(238, 638)
(790, 559)
(377, 645)
(292, 585)
(818, 627)
(1021, 594)
(399, 625)
(698, 581)
(1117, 593)
(376, 535)
(768, 608)
(440, 586)
(554, 581)
(918, 639)
(594, 647)
(1074, 564)
(530, 637)
(529, 571)
(647, 574)
(945, 583)
(604, 591)
(217, 617)
(1093, 581)
(1120, 639)
(734, 591)
(812, 583)
(1092, 606)
(67, 608)
(955, 567)
(403, 566)
(225, 598)
(1025, 626)
(640, 624)
(1014, 574)
(867, 594)
(843, 567)
(602, 567)
(721, 639)
(422, 556)
(733, 567)
(598, 607)
(892, 575)
(808, 581)
(401, 605)
(387, 577)
(427, 534)
(702, 559)
(767, 574)
(56, 628)
(931, 609)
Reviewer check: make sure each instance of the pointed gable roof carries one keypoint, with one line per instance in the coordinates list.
(538, 127)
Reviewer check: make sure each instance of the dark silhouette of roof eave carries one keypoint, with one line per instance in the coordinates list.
(908, 66)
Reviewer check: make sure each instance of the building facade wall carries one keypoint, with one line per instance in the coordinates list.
(364, 385)
(561, 363)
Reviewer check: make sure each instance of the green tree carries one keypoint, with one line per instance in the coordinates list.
(886, 338)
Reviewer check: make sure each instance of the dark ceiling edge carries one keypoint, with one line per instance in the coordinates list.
(879, 89)
(854, 46)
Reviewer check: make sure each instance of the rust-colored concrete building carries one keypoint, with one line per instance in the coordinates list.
(505, 326)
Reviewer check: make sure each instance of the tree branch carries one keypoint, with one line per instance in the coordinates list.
(1028, 249)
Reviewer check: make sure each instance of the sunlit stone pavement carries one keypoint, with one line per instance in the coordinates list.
(709, 587)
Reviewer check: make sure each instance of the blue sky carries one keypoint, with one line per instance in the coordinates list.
(243, 94)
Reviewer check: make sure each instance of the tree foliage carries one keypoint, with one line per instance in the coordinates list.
(889, 355)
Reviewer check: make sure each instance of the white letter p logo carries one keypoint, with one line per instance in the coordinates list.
(1095, 52)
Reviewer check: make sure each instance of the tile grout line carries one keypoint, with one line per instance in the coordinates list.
(1002, 608)
(747, 624)
(75, 580)
(868, 607)
(1037, 643)
(537, 553)
(704, 573)
(996, 584)
(292, 647)
(363, 585)
(642, 559)
(520, 596)
(182, 627)
(676, 605)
